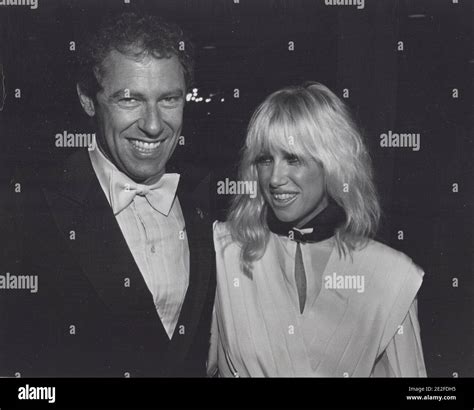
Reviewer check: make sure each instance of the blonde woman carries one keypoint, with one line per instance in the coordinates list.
(302, 288)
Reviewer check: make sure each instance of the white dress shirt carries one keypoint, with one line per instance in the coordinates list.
(157, 241)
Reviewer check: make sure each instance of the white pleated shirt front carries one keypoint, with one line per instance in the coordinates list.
(158, 243)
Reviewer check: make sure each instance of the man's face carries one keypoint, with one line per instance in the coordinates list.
(140, 113)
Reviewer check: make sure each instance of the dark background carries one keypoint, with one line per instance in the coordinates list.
(245, 46)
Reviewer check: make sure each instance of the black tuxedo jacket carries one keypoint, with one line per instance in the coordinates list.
(93, 314)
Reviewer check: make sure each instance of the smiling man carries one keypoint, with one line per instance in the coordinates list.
(124, 256)
(139, 111)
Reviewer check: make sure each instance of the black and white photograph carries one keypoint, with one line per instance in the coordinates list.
(275, 190)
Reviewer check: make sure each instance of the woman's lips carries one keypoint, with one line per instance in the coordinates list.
(283, 199)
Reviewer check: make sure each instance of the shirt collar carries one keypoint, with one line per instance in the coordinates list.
(107, 173)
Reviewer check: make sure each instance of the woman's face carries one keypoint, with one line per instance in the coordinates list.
(294, 187)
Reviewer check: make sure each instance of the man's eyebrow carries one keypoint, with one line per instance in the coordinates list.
(126, 93)
(176, 92)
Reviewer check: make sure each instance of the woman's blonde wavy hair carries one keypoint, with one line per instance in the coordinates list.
(308, 120)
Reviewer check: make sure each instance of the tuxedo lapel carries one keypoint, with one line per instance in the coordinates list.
(83, 215)
(85, 219)
(202, 260)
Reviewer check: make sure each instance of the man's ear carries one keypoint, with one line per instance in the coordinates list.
(86, 102)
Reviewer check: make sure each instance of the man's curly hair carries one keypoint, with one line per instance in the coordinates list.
(134, 35)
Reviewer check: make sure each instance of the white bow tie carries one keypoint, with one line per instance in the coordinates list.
(159, 195)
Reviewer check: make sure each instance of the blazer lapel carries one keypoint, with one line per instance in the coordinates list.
(202, 262)
(84, 216)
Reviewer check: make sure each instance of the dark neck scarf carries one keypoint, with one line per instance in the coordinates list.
(323, 224)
